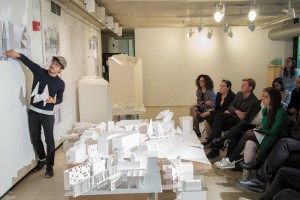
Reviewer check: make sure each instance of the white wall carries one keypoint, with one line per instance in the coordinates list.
(15, 83)
(171, 61)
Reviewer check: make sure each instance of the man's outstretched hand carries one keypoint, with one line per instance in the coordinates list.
(12, 54)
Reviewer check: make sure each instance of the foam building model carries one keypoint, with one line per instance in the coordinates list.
(126, 71)
(94, 100)
(111, 155)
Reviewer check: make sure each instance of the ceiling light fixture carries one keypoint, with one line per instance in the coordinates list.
(229, 33)
(220, 12)
(225, 28)
(253, 12)
(291, 11)
(209, 33)
(190, 33)
(200, 28)
(251, 26)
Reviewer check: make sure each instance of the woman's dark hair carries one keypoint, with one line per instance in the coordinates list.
(279, 81)
(275, 105)
(228, 83)
(292, 70)
(208, 82)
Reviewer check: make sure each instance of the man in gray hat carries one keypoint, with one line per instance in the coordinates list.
(47, 91)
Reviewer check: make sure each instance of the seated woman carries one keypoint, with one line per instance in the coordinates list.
(205, 100)
(285, 94)
(224, 97)
(274, 121)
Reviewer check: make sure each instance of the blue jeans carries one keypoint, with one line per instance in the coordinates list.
(36, 121)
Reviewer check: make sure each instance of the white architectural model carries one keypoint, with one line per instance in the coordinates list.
(120, 153)
(186, 124)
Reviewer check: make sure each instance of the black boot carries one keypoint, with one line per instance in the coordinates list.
(219, 140)
(251, 165)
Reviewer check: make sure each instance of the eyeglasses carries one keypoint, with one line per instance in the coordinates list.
(55, 63)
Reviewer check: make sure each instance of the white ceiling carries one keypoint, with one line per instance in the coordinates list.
(190, 13)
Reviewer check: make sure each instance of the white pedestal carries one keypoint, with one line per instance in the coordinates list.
(94, 100)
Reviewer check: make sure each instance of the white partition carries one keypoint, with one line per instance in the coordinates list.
(94, 100)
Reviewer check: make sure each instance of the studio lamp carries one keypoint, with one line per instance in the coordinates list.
(229, 33)
(190, 33)
(251, 26)
(252, 12)
(291, 11)
(225, 28)
(220, 11)
(200, 28)
(209, 33)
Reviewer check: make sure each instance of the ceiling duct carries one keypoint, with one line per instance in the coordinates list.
(288, 31)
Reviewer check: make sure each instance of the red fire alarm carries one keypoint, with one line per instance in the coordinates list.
(36, 25)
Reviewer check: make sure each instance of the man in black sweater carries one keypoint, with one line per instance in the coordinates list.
(47, 91)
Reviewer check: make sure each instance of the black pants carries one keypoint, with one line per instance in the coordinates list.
(287, 194)
(249, 135)
(285, 178)
(36, 121)
(286, 152)
(234, 135)
(222, 122)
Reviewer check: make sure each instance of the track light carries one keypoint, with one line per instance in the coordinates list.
(291, 11)
(200, 28)
(252, 12)
(225, 28)
(251, 26)
(209, 33)
(220, 11)
(229, 33)
(190, 33)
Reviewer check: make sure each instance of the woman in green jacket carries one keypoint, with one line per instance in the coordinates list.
(274, 122)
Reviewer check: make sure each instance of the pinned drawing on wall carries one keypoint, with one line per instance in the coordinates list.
(93, 46)
(13, 36)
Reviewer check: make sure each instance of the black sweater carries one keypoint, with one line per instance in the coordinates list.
(56, 86)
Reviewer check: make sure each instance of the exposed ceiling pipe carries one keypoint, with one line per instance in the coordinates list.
(288, 31)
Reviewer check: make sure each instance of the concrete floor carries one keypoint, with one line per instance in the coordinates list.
(220, 183)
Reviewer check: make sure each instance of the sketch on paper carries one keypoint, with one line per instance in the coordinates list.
(13, 36)
(52, 42)
(93, 46)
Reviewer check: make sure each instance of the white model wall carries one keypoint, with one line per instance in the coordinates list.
(172, 62)
(15, 82)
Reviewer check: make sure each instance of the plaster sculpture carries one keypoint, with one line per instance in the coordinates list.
(77, 154)
(186, 124)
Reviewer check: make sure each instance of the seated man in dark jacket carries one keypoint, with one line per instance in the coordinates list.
(234, 114)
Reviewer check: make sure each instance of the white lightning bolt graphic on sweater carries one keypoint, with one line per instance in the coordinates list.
(40, 97)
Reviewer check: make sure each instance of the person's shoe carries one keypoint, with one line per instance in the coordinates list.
(213, 153)
(253, 185)
(49, 172)
(39, 166)
(208, 141)
(225, 164)
(219, 141)
(250, 165)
